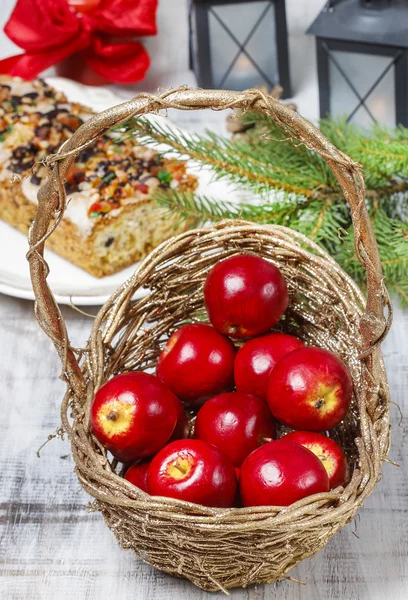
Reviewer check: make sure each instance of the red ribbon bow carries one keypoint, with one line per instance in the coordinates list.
(51, 30)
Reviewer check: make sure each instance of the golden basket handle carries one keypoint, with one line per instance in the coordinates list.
(51, 204)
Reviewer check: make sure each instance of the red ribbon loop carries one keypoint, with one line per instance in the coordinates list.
(51, 30)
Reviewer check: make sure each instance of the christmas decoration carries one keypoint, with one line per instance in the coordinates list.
(362, 54)
(237, 44)
(98, 35)
(296, 188)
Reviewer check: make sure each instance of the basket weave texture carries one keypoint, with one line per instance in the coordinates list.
(222, 548)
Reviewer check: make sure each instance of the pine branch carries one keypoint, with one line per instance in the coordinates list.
(269, 140)
(280, 155)
(226, 159)
(382, 152)
(321, 221)
(392, 240)
(298, 188)
(268, 160)
(325, 224)
(203, 209)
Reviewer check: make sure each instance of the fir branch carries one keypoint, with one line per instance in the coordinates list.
(202, 209)
(322, 222)
(269, 140)
(319, 221)
(268, 160)
(219, 153)
(392, 240)
(305, 194)
(382, 152)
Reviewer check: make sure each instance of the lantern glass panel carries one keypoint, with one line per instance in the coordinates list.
(252, 25)
(223, 49)
(263, 45)
(362, 70)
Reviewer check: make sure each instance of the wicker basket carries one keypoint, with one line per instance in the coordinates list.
(222, 548)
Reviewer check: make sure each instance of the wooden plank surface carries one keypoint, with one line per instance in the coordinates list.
(51, 547)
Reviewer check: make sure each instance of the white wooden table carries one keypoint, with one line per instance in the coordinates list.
(52, 548)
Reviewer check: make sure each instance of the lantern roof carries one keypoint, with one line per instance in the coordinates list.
(379, 22)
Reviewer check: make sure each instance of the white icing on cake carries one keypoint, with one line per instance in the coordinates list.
(20, 87)
(78, 205)
(77, 211)
(30, 190)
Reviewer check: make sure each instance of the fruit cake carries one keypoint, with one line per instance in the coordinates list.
(111, 219)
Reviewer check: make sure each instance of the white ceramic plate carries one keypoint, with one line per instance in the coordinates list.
(68, 282)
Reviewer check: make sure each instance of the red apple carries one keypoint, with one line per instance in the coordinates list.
(133, 415)
(137, 474)
(245, 295)
(280, 473)
(257, 357)
(194, 471)
(327, 450)
(236, 424)
(310, 388)
(197, 363)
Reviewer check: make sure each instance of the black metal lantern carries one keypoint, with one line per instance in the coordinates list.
(362, 60)
(237, 45)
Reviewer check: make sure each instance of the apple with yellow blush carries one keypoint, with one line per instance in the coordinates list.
(327, 450)
(310, 388)
(133, 415)
(194, 471)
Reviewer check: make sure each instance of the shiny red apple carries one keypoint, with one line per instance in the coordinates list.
(236, 424)
(194, 471)
(133, 415)
(196, 363)
(245, 295)
(310, 388)
(327, 450)
(280, 473)
(257, 357)
(137, 474)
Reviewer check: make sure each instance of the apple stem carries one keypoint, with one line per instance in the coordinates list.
(179, 467)
(112, 416)
(266, 439)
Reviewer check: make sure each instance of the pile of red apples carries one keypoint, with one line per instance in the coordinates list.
(228, 455)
